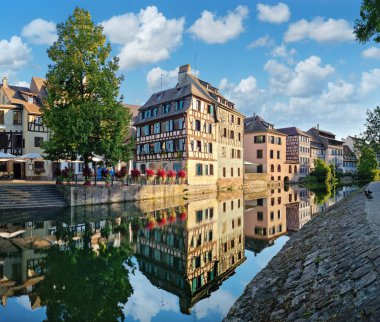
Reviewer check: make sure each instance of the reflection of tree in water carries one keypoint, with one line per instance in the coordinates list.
(324, 193)
(83, 285)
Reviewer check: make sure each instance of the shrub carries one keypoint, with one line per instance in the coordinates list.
(87, 172)
(161, 173)
(182, 174)
(171, 174)
(149, 173)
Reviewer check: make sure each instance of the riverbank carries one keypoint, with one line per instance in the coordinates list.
(329, 270)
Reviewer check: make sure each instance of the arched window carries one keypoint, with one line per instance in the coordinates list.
(278, 168)
(295, 169)
(290, 169)
(271, 168)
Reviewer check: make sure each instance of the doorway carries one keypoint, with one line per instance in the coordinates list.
(18, 171)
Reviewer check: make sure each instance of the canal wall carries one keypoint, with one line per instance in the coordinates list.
(83, 195)
(327, 271)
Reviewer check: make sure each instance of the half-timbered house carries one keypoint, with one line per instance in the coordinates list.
(191, 127)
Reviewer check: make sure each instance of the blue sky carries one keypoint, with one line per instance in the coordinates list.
(292, 63)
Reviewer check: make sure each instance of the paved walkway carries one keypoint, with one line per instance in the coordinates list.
(328, 271)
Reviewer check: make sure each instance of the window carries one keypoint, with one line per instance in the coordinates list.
(198, 105)
(1, 117)
(157, 147)
(279, 168)
(271, 154)
(259, 139)
(271, 215)
(224, 206)
(239, 204)
(260, 216)
(232, 206)
(166, 108)
(260, 202)
(198, 169)
(224, 172)
(232, 135)
(232, 153)
(197, 125)
(238, 120)
(198, 146)
(232, 172)
(238, 172)
(278, 214)
(232, 118)
(209, 150)
(238, 154)
(259, 154)
(271, 139)
(290, 169)
(39, 166)
(198, 216)
(179, 105)
(17, 117)
(206, 169)
(225, 132)
(239, 136)
(271, 168)
(279, 178)
(157, 128)
(295, 169)
(278, 154)
(17, 141)
(211, 169)
(154, 111)
(210, 109)
(38, 141)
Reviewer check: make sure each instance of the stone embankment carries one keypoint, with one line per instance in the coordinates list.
(328, 271)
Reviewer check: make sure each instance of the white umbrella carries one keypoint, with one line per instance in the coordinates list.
(6, 156)
(31, 156)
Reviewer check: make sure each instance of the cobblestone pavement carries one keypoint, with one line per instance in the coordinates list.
(328, 271)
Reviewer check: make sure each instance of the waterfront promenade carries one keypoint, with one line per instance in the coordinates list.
(328, 271)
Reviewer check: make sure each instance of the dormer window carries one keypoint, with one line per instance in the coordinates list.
(31, 99)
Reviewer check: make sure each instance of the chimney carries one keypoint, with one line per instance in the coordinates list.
(5, 81)
(183, 70)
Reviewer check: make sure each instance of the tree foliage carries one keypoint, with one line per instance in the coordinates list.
(322, 172)
(83, 285)
(367, 163)
(82, 108)
(368, 25)
(372, 132)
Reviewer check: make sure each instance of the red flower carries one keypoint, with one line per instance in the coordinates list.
(150, 225)
(171, 174)
(182, 174)
(135, 173)
(172, 218)
(149, 173)
(162, 221)
(182, 215)
(161, 173)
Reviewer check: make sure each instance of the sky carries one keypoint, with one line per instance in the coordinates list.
(295, 63)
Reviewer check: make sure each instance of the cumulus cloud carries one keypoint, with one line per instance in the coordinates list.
(309, 77)
(40, 32)
(275, 14)
(265, 41)
(14, 53)
(218, 30)
(283, 52)
(340, 92)
(23, 84)
(146, 37)
(169, 78)
(370, 81)
(372, 52)
(331, 30)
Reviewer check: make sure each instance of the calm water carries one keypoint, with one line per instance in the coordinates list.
(178, 260)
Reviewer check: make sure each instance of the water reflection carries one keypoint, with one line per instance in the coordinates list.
(190, 256)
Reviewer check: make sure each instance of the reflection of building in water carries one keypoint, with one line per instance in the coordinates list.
(265, 218)
(191, 258)
(298, 213)
(22, 248)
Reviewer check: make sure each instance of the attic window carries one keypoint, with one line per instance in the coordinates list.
(159, 96)
(30, 99)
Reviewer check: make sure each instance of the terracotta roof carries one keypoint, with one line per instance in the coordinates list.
(40, 82)
(290, 131)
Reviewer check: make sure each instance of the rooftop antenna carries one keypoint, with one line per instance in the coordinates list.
(161, 80)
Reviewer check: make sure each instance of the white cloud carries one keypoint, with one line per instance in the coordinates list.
(169, 78)
(219, 303)
(14, 53)
(40, 32)
(340, 92)
(281, 51)
(370, 81)
(275, 14)
(218, 30)
(372, 52)
(265, 41)
(279, 76)
(23, 84)
(320, 30)
(309, 77)
(146, 37)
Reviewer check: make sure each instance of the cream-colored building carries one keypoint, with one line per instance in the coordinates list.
(21, 129)
(192, 127)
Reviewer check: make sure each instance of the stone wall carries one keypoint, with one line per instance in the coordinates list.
(82, 195)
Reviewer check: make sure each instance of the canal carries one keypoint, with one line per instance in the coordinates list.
(180, 260)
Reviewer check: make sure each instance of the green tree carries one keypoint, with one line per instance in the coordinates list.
(368, 25)
(322, 172)
(367, 163)
(372, 125)
(83, 285)
(82, 108)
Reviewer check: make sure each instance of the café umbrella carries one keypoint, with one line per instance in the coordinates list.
(6, 156)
